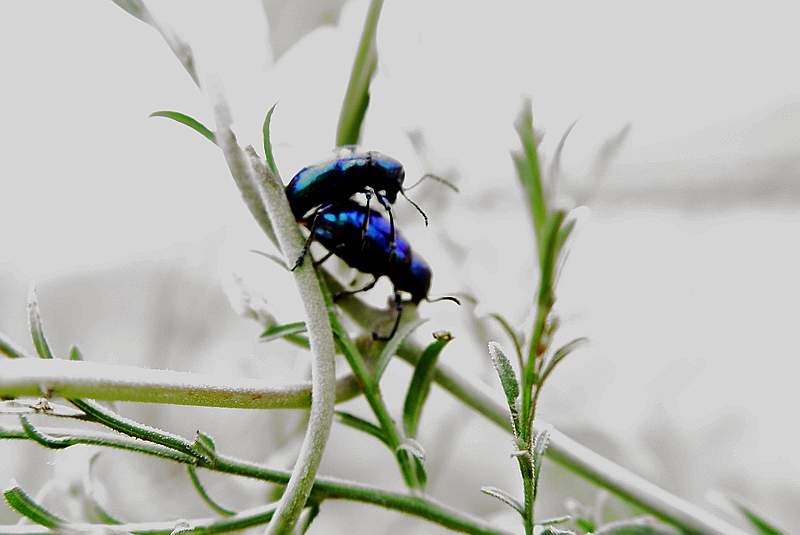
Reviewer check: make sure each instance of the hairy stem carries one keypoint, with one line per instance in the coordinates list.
(112, 382)
(323, 372)
(323, 487)
(194, 389)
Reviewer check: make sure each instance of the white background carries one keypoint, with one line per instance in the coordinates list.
(683, 272)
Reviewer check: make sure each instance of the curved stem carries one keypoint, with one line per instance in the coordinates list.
(323, 372)
(323, 488)
(100, 381)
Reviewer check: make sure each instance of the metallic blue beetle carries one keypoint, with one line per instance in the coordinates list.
(374, 174)
(379, 251)
(371, 173)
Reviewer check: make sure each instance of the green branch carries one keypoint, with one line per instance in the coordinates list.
(323, 487)
(323, 373)
(479, 397)
(112, 382)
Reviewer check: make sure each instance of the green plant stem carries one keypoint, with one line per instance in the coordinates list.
(81, 382)
(580, 459)
(245, 519)
(85, 379)
(356, 98)
(323, 488)
(479, 397)
(525, 469)
(323, 371)
(370, 385)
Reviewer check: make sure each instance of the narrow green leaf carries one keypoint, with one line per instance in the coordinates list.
(201, 490)
(516, 338)
(564, 233)
(275, 332)
(189, 121)
(540, 442)
(549, 256)
(421, 473)
(349, 349)
(504, 497)
(268, 143)
(529, 169)
(761, 525)
(356, 99)
(392, 345)
(636, 526)
(420, 385)
(35, 324)
(135, 429)
(351, 420)
(23, 504)
(554, 521)
(96, 438)
(559, 355)
(9, 349)
(204, 445)
(42, 438)
(509, 382)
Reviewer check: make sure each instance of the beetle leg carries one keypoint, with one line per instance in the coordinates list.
(310, 238)
(365, 225)
(322, 260)
(398, 306)
(345, 293)
(388, 207)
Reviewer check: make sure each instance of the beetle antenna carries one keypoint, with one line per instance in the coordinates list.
(436, 178)
(415, 205)
(444, 298)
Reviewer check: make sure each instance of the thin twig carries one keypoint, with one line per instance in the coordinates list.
(323, 488)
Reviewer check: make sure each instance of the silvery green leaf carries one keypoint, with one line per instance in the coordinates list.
(420, 384)
(35, 324)
(275, 332)
(508, 380)
(22, 503)
(538, 448)
(504, 497)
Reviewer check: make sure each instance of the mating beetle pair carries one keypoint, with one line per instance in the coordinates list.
(320, 198)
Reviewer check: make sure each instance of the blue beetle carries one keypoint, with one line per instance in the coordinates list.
(371, 173)
(374, 174)
(379, 251)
